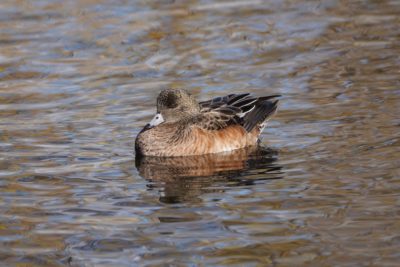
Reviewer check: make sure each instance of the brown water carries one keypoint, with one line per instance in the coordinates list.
(78, 80)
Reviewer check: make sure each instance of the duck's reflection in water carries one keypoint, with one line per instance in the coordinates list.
(186, 178)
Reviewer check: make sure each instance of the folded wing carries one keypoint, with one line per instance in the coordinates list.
(240, 109)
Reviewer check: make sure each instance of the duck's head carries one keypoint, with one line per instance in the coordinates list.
(174, 105)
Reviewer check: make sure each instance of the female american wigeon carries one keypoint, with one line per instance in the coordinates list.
(184, 127)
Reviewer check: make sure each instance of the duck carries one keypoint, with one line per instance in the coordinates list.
(183, 126)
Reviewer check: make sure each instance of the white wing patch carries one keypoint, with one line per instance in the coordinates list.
(242, 114)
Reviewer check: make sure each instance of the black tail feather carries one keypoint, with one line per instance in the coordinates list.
(262, 111)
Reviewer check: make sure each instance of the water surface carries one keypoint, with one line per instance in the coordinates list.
(78, 80)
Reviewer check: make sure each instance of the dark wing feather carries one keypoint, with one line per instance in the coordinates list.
(242, 109)
(261, 112)
(221, 101)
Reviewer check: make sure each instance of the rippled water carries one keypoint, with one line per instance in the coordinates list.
(78, 80)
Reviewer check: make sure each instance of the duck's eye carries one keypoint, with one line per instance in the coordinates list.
(171, 101)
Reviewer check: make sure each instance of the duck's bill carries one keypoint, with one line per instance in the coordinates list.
(158, 119)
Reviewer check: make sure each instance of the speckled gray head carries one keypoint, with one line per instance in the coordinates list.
(173, 105)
